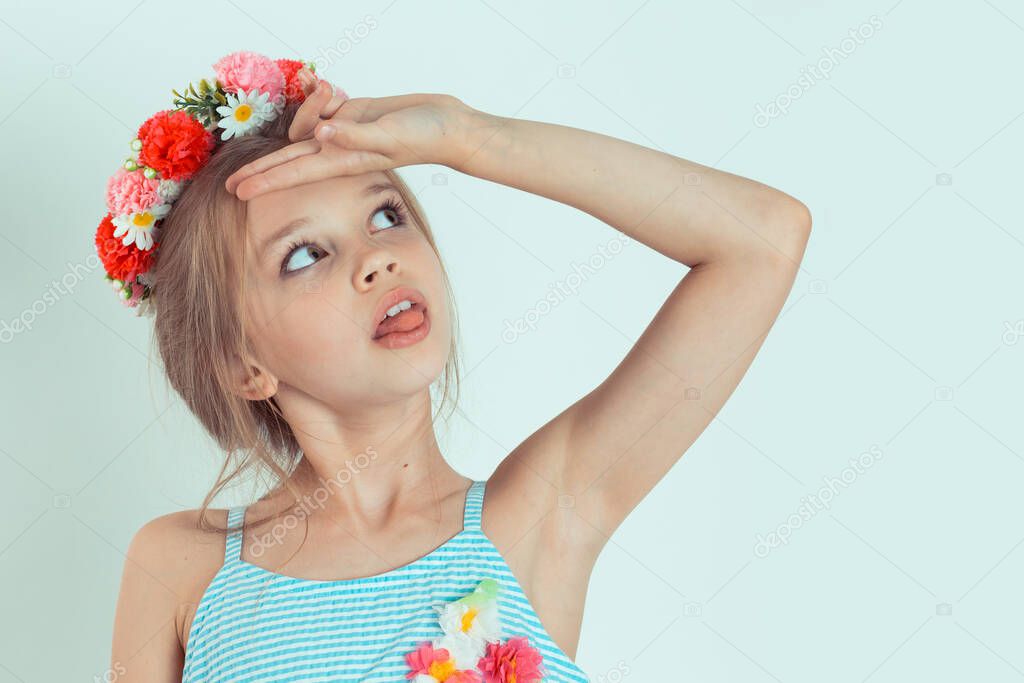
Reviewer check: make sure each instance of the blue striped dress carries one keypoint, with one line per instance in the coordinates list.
(252, 624)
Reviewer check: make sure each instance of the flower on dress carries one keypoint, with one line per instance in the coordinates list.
(514, 661)
(429, 664)
(471, 644)
(471, 621)
(245, 112)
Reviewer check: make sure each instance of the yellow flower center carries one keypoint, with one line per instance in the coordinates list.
(441, 670)
(243, 112)
(467, 619)
(142, 220)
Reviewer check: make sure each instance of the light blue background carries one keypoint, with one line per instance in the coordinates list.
(904, 330)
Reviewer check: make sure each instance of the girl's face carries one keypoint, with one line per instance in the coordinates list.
(321, 258)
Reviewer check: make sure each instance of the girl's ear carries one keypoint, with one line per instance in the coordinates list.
(252, 381)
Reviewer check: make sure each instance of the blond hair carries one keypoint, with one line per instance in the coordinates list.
(200, 316)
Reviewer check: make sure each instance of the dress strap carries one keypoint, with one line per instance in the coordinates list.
(233, 543)
(474, 505)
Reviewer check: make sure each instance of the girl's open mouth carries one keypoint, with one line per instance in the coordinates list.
(404, 329)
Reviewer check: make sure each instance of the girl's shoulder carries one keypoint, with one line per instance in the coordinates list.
(170, 562)
(177, 539)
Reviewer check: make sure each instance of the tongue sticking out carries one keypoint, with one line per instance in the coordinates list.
(408, 319)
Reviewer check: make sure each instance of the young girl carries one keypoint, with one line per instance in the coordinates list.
(303, 313)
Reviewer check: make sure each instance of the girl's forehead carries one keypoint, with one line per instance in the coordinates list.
(270, 215)
(289, 203)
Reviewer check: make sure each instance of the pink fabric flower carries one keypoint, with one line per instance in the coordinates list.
(250, 71)
(514, 661)
(131, 192)
(426, 660)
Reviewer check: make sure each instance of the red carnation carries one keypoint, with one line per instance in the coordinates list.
(120, 261)
(175, 144)
(293, 91)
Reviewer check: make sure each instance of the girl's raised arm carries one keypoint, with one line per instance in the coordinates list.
(743, 242)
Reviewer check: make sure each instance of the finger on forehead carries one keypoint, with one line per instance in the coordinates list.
(268, 161)
(304, 169)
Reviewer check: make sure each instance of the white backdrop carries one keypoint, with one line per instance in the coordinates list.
(899, 123)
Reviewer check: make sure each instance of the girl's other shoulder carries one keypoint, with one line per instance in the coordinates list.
(170, 561)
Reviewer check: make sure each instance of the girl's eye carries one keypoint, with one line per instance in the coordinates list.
(393, 213)
(304, 249)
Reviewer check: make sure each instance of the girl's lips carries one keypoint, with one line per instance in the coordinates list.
(390, 299)
(397, 340)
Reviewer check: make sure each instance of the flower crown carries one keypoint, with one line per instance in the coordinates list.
(249, 90)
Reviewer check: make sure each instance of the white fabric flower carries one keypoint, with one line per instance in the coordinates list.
(464, 650)
(481, 624)
(138, 227)
(245, 112)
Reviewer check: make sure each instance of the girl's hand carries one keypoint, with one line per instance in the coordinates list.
(336, 135)
(322, 102)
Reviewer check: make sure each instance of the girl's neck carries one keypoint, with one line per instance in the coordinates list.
(369, 486)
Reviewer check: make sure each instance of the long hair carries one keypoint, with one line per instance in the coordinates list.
(200, 317)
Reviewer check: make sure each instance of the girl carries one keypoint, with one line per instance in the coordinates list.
(303, 313)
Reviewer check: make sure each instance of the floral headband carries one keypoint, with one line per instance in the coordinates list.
(249, 90)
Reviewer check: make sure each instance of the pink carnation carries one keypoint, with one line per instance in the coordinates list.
(131, 192)
(250, 71)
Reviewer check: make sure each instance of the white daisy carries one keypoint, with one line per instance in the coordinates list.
(245, 113)
(138, 227)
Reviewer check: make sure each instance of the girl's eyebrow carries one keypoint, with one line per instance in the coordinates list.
(292, 226)
(282, 232)
(377, 188)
